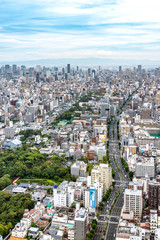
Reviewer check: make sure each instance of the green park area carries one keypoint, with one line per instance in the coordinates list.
(28, 163)
(12, 209)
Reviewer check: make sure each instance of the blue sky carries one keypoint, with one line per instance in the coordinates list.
(47, 29)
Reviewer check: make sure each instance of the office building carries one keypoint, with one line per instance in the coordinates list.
(14, 69)
(139, 68)
(92, 199)
(27, 77)
(37, 77)
(146, 167)
(68, 68)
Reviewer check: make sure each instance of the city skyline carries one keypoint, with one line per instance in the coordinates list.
(79, 29)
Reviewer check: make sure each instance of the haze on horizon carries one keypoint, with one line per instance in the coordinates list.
(112, 29)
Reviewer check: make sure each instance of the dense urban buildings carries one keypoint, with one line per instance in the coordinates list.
(84, 145)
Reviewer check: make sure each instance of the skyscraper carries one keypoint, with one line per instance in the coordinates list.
(139, 68)
(7, 68)
(37, 77)
(14, 69)
(68, 68)
(120, 69)
(63, 71)
(27, 77)
(89, 72)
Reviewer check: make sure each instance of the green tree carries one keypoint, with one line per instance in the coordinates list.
(113, 173)
(89, 168)
(131, 175)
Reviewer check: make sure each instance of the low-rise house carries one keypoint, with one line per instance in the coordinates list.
(33, 232)
(38, 196)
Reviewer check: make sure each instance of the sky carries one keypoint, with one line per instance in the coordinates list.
(56, 29)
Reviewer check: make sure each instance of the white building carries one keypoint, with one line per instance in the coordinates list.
(145, 167)
(64, 195)
(92, 196)
(153, 220)
(20, 230)
(79, 168)
(157, 234)
(133, 202)
(60, 198)
(86, 198)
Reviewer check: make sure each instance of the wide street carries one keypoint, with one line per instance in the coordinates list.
(121, 179)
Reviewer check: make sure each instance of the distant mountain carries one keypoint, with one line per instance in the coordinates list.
(83, 62)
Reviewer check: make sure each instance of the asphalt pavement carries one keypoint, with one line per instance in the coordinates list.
(122, 180)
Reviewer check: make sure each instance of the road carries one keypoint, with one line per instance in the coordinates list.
(122, 181)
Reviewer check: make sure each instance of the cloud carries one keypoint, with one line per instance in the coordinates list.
(79, 28)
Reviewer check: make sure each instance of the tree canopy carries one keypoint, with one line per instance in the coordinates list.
(29, 163)
(12, 209)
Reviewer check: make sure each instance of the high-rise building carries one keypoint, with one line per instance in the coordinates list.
(31, 71)
(81, 222)
(56, 69)
(7, 68)
(133, 202)
(120, 69)
(68, 68)
(37, 77)
(86, 197)
(14, 69)
(158, 98)
(92, 198)
(63, 71)
(146, 113)
(66, 76)
(27, 77)
(154, 194)
(89, 72)
(93, 72)
(139, 68)
(103, 174)
(23, 67)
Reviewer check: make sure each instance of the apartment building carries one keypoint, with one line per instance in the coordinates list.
(80, 224)
(133, 202)
(154, 194)
(103, 174)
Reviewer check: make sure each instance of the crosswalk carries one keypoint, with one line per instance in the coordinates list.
(123, 182)
(106, 215)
